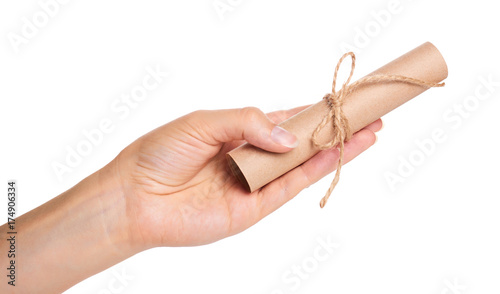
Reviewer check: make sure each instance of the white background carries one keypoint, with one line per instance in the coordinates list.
(436, 232)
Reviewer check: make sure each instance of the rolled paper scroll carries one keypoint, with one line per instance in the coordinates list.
(254, 167)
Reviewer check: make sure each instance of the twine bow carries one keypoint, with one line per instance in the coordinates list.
(335, 101)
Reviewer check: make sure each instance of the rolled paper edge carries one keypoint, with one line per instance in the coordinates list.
(442, 58)
(237, 173)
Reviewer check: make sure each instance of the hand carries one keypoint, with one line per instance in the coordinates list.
(178, 190)
(171, 187)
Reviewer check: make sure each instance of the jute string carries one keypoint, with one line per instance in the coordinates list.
(336, 115)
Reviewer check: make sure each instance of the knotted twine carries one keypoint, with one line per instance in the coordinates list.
(335, 101)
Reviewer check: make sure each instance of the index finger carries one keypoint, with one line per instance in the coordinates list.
(282, 115)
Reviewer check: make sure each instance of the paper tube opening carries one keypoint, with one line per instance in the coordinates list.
(236, 171)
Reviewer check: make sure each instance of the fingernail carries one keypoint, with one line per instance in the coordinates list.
(376, 139)
(283, 137)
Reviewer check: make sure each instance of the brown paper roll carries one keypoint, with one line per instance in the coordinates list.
(255, 167)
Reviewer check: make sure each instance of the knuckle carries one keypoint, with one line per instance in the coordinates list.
(198, 113)
(195, 117)
(251, 114)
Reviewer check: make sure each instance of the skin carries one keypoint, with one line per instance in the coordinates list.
(171, 187)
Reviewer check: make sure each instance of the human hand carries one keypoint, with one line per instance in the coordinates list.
(171, 187)
(178, 189)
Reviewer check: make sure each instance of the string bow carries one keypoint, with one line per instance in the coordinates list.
(335, 101)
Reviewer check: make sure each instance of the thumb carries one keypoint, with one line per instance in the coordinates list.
(249, 123)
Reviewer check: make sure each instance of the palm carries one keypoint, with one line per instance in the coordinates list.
(186, 184)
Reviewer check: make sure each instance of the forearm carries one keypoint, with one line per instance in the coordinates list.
(75, 235)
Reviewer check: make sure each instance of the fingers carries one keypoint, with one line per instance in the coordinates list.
(278, 192)
(375, 126)
(282, 115)
(250, 124)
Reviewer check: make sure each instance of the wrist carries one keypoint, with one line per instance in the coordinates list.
(115, 211)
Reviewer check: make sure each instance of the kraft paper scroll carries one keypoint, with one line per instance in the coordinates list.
(255, 167)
